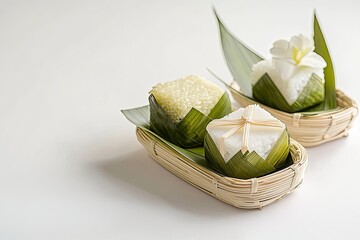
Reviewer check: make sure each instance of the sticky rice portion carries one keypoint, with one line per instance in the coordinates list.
(289, 88)
(179, 96)
(261, 138)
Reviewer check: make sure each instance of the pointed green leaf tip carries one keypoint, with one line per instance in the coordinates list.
(250, 164)
(330, 87)
(190, 131)
(239, 58)
(266, 92)
(140, 117)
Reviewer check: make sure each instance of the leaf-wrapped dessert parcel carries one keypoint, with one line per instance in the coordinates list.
(293, 80)
(247, 143)
(181, 109)
(296, 85)
(190, 165)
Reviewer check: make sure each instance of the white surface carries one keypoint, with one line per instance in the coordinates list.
(71, 167)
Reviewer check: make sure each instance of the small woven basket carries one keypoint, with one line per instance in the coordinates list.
(312, 130)
(253, 193)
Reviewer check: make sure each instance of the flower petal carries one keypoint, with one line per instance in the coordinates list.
(307, 42)
(285, 68)
(296, 42)
(313, 60)
(280, 49)
(281, 44)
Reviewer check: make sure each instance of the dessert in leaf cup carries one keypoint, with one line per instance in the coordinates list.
(181, 109)
(247, 143)
(293, 79)
(247, 157)
(296, 85)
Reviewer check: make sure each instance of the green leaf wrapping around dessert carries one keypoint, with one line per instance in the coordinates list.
(239, 58)
(190, 131)
(266, 92)
(307, 112)
(250, 164)
(280, 151)
(330, 101)
(140, 117)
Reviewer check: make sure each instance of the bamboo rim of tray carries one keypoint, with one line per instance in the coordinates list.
(253, 193)
(313, 130)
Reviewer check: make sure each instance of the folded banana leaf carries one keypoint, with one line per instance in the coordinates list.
(190, 131)
(241, 58)
(321, 48)
(266, 92)
(249, 164)
(140, 117)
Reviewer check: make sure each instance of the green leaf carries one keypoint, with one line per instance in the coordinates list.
(280, 151)
(248, 165)
(266, 92)
(140, 117)
(306, 112)
(190, 131)
(330, 101)
(239, 58)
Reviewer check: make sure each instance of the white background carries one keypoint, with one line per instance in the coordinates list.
(71, 167)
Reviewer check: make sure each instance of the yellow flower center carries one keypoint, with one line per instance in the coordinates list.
(298, 54)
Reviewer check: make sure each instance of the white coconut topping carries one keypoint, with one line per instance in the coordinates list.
(261, 138)
(179, 96)
(291, 88)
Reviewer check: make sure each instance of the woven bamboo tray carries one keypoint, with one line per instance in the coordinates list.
(312, 130)
(249, 194)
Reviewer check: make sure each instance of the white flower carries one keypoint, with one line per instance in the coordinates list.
(298, 54)
(291, 66)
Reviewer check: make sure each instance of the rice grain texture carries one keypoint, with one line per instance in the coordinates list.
(179, 96)
(290, 88)
(261, 138)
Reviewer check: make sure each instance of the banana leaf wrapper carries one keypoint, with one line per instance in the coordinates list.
(249, 164)
(240, 58)
(190, 131)
(266, 92)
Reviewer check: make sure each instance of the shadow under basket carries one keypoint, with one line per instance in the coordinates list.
(312, 130)
(252, 193)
